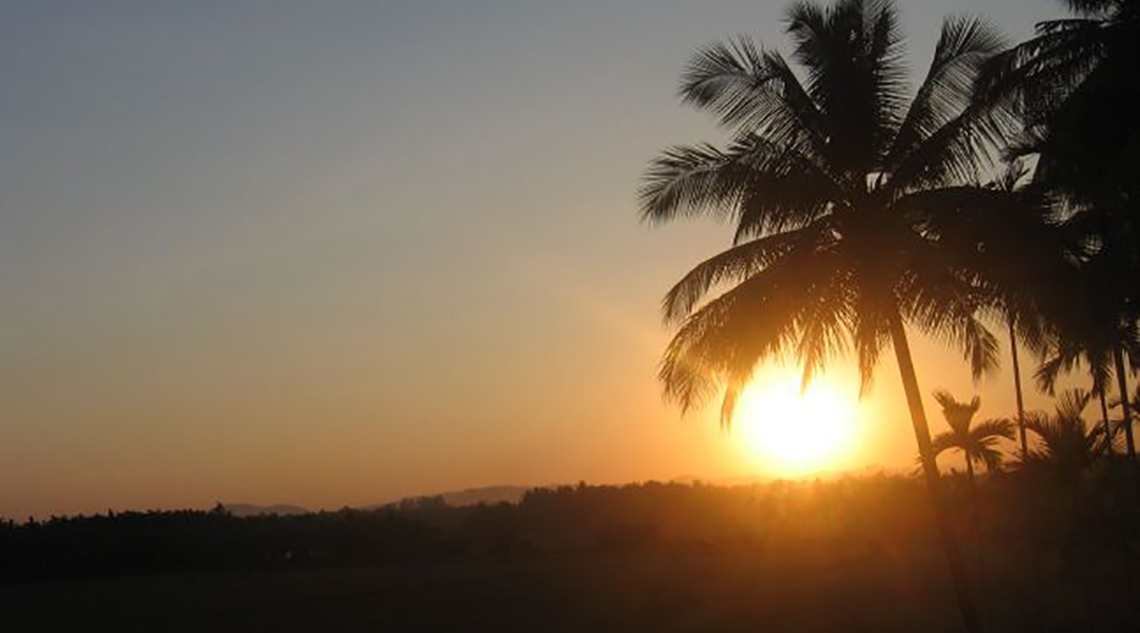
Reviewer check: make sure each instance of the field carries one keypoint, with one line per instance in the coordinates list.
(853, 555)
(795, 591)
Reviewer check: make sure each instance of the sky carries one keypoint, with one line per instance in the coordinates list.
(336, 253)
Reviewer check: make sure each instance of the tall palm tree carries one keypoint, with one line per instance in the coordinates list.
(1023, 273)
(1094, 331)
(1081, 97)
(1133, 410)
(841, 186)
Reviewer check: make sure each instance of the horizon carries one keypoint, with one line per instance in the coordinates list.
(327, 256)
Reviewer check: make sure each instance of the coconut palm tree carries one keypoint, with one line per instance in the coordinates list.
(1093, 331)
(841, 186)
(1022, 273)
(1077, 82)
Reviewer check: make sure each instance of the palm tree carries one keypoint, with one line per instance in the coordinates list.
(1078, 84)
(840, 187)
(1094, 330)
(1067, 449)
(1023, 272)
(1133, 404)
(978, 442)
(1068, 446)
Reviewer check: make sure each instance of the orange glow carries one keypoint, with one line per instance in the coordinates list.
(792, 434)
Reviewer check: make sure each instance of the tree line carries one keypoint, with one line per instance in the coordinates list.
(1038, 557)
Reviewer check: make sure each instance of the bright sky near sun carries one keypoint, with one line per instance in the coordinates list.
(334, 253)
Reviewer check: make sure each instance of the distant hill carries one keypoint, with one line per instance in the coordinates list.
(472, 496)
(250, 510)
(513, 494)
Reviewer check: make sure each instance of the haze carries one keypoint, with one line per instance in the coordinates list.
(335, 253)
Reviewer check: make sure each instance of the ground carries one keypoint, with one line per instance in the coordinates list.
(740, 589)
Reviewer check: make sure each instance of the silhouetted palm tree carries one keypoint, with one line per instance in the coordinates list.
(1080, 90)
(840, 187)
(979, 445)
(1133, 408)
(1068, 446)
(1095, 330)
(978, 442)
(1020, 274)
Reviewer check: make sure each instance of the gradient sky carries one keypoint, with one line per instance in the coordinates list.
(333, 253)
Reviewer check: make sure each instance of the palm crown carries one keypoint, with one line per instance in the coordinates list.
(842, 189)
(978, 442)
(1068, 445)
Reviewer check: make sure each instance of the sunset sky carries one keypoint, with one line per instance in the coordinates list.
(332, 253)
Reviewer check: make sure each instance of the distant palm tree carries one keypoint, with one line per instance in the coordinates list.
(1095, 331)
(841, 187)
(977, 442)
(1022, 289)
(1068, 446)
(1133, 408)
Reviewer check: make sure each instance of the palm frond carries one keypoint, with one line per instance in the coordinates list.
(762, 185)
(773, 312)
(964, 46)
(958, 415)
(734, 264)
(945, 441)
(852, 53)
(753, 90)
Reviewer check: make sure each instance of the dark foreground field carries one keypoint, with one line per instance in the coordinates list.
(855, 555)
(736, 591)
(711, 591)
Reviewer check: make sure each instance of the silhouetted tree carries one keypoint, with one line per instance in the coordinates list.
(1068, 445)
(977, 442)
(1080, 93)
(838, 187)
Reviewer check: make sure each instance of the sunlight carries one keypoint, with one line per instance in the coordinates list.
(792, 433)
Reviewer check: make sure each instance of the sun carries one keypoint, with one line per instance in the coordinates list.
(791, 433)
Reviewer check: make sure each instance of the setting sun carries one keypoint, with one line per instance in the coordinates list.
(793, 433)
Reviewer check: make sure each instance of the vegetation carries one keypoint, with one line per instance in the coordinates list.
(1001, 191)
(859, 210)
(674, 557)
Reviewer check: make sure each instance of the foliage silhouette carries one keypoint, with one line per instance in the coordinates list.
(1080, 94)
(841, 189)
(1068, 447)
(876, 532)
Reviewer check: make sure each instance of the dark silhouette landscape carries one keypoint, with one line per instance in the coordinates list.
(984, 203)
(667, 556)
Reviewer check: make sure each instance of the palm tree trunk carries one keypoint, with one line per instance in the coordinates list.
(1108, 434)
(982, 573)
(974, 507)
(1122, 378)
(1017, 390)
(967, 605)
